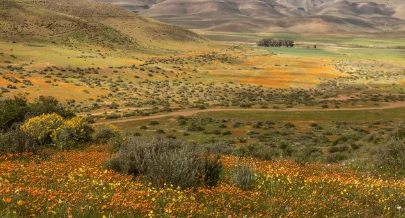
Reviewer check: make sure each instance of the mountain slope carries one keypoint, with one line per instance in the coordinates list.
(298, 16)
(100, 24)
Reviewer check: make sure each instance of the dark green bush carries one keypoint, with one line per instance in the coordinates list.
(160, 131)
(195, 128)
(400, 133)
(154, 122)
(112, 116)
(336, 157)
(16, 111)
(226, 132)
(104, 133)
(16, 141)
(182, 122)
(283, 145)
(393, 157)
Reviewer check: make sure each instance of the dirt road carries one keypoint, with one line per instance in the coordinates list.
(192, 112)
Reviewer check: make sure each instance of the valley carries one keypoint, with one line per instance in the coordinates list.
(109, 113)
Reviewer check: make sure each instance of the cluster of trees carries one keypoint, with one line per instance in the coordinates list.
(271, 42)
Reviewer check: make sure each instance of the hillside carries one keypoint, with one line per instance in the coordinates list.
(100, 24)
(290, 16)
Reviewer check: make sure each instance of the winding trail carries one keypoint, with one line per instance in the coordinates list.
(391, 105)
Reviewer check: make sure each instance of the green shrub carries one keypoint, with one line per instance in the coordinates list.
(216, 132)
(182, 122)
(220, 147)
(212, 169)
(393, 157)
(152, 123)
(17, 141)
(308, 154)
(112, 116)
(195, 128)
(160, 131)
(104, 133)
(260, 151)
(400, 133)
(43, 128)
(336, 157)
(226, 132)
(72, 132)
(283, 145)
(52, 129)
(243, 177)
(166, 161)
(333, 149)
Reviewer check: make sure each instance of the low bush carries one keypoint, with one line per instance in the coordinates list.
(243, 177)
(112, 116)
(72, 132)
(104, 133)
(166, 161)
(52, 129)
(336, 157)
(392, 158)
(256, 151)
(16, 141)
(152, 123)
(43, 128)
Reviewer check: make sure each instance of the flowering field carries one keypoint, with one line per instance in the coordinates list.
(74, 184)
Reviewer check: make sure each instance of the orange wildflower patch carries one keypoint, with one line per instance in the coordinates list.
(288, 72)
(74, 184)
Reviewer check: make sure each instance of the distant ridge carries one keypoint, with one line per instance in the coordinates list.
(289, 16)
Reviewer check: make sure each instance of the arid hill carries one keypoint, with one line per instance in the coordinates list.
(101, 24)
(290, 16)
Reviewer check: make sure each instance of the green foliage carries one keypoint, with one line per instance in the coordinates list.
(104, 133)
(393, 157)
(166, 161)
(243, 177)
(52, 129)
(43, 128)
(212, 169)
(271, 42)
(72, 132)
(12, 111)
(256, 151)
(16, 141)
(16, 111)
(153, 123)
(400, 133)
(336, 157)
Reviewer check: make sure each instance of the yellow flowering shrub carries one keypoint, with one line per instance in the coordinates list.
(53, 129)
(42, 127)
(71, 132)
